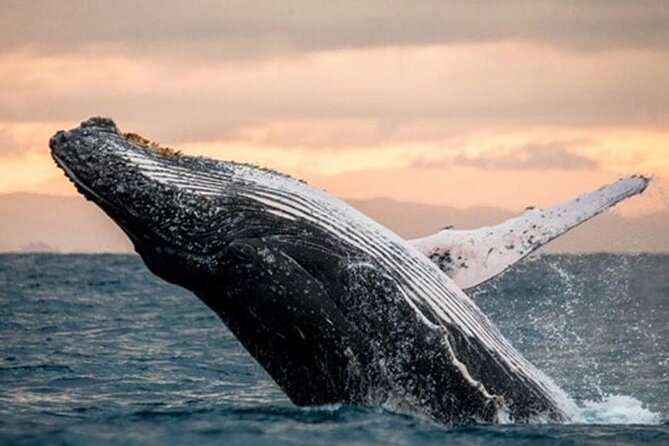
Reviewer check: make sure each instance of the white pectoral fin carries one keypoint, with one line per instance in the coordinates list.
(470, 257)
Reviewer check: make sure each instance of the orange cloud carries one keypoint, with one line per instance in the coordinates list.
(402, 94)
(492, 117)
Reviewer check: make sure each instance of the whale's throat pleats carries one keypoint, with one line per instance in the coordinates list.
(445, 326)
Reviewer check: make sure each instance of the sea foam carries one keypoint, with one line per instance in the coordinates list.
(615, 409)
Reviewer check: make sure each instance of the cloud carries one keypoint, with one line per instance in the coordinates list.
(343, 100)
(537, 155)
(296, 78)
(240, 29)
(19, 139)
(8, 143)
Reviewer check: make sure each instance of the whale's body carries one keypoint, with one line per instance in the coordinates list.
(337, 308)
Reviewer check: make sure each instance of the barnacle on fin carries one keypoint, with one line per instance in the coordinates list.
(148, 144)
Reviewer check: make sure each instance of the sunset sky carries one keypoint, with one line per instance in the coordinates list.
(463, 104)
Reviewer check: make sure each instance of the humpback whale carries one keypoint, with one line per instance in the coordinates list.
(334, 306)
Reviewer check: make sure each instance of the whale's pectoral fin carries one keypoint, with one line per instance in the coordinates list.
(470, 257)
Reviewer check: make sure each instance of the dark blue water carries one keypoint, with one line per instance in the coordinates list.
(94, 349)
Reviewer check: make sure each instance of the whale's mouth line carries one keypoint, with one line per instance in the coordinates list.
(94, 196)
(77, 181)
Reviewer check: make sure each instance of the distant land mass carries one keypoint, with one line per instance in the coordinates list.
(50, 223)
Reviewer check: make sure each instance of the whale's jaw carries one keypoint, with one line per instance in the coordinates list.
(334, 306)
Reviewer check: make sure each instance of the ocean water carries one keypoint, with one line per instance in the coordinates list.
(96, 350)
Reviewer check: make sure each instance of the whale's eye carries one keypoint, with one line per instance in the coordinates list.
(242, 251)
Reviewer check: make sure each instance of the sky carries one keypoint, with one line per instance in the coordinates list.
(458, 103)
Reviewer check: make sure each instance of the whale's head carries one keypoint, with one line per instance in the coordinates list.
(180, 212)
(233, 234)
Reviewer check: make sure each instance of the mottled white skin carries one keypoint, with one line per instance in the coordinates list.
(471, 257)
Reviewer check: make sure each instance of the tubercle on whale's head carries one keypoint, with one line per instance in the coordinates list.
(152, 145)
(179, 211)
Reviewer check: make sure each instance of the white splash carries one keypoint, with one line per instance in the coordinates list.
(615, 409)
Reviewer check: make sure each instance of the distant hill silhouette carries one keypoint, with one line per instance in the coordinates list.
(35, 222)
(64, 224)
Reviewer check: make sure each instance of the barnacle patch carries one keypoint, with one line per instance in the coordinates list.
(151, 145)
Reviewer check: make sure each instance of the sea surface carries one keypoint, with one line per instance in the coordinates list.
(96, 350)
